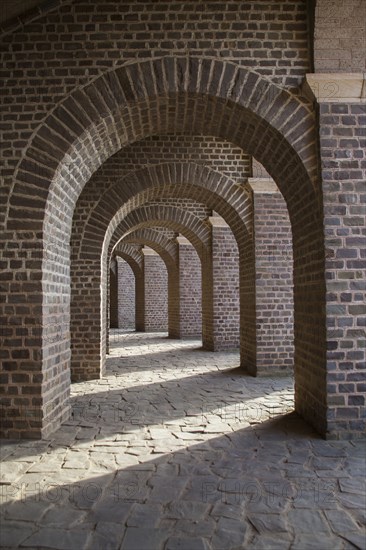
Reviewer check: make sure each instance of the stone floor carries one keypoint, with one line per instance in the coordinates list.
(176, 449)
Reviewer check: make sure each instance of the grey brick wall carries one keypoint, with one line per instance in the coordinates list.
(126, 296)
(343, 147)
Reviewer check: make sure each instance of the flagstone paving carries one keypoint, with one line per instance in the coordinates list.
(174, 449)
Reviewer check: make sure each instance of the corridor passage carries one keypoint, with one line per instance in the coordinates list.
(176, 448)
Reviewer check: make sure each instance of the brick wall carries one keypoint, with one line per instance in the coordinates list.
(126, 296)
(225, 288)
(343, 146)
(156, 293)
(219, 154)
(45, 59)
(274, 281)
(113, 294)
(190, 291)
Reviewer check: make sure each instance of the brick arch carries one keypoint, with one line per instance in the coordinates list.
(160, 96)
(155, 240)
(170, 217)
(88, 361)
(130, 255)
(231, 201)
(180, 179)
(106, 110)
(134, 259)
(167, 250)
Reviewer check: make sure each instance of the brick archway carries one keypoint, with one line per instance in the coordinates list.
(92, 366)
(183, 179)
(152, 97)
(169, 217)
(155, 240)
(167, 251)
(173, 256)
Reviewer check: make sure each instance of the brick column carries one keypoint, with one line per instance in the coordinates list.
(223, 330)
(113, 294)
(274, 279)
(126, 296)
(156, 292)
(190, 289)
(342, 121)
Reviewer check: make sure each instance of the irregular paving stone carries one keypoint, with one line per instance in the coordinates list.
(225, 510)
(268, 523)
(307, 522)
(60, 516)
(202, 528)
(27, 510)
(357, 539)
(340, 521)
(165, 489)
(110, 509)
(58, 539)
(14, 533)
(11, 471)
(145, 515)
(227, 539)
(188, 543)
(318, 541)
(107, 535)
(127, 443)
(233, 525)
(270, 543)
(356, 485)
(186, 510)
(144, 538)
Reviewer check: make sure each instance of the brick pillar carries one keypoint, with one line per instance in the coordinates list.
(113, 294)
(342, 127)
(87, 357)
(222, 331)
(156, 292)
(126, 296)
(274, 279)
(342, 123)
(190, 289)
(139, 300)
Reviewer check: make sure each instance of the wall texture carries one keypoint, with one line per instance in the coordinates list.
(340, 36)
(156, 293)
(126, 296)
(190, 294)
(343, 146)
(274, 281)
